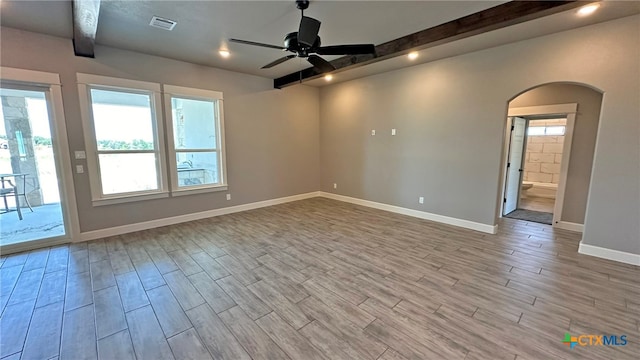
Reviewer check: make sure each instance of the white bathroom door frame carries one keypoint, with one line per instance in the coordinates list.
(564, 110)
(51, 84)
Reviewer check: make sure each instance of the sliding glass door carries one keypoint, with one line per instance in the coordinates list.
(32, 212)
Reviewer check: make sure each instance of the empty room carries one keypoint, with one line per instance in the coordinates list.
(382, 180)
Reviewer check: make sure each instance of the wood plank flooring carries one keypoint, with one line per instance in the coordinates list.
(317, 279)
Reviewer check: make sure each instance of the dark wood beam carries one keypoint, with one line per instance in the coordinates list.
(494, 18)
(85, 26)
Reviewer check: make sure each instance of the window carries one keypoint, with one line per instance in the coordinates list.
(545, 130)
(196, 139)
(554, 130)
(123, 139)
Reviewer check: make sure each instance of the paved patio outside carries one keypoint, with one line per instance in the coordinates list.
(44, 222)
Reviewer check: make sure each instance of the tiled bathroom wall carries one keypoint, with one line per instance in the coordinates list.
(543, 155)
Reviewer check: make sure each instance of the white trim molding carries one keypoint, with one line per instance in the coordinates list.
(119, 230)
(566, 110)
(544, 109)
(31, 76)
(565, 225)
(88, 82)
(485, 228)
(609, 254)
(55, 106)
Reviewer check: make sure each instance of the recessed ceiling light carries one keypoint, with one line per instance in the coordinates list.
(412, 55)
(224, 53)
(328, 77)
(588, 10)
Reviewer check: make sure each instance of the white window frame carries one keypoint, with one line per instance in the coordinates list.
(171, 91)
(86, 82)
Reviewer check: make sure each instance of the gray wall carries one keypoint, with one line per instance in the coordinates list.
(450, 116)
(271, 135)
(584, 139)
(445, 111)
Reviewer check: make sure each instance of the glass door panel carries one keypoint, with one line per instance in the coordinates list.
(30, 201)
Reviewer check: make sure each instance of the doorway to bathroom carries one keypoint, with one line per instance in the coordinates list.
(538, 145)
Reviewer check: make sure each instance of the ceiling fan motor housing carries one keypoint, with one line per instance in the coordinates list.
(302, 4)
(292, 44)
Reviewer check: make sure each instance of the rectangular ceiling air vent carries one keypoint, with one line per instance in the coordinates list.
(162, 23)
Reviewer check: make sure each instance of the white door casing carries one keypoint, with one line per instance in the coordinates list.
(51, 83)
(569, 111)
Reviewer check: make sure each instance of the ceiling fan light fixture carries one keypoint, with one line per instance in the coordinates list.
(224, 53)
(588, 9)
(328, 77)
(412, 55)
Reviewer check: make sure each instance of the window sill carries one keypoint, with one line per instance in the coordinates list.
(199, 190)
(129, 198)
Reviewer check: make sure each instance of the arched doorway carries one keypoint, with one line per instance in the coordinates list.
(549, 148)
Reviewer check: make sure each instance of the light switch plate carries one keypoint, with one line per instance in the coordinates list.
(393, 131)
(80, 155)
(79, 169)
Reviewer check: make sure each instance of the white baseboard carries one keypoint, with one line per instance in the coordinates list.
(491, 229)
(609, 254)
(119, 230)
(565, 225)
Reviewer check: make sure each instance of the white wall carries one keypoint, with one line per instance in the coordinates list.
(450, 116)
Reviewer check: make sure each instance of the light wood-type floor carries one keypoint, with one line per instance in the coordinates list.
(317, 279)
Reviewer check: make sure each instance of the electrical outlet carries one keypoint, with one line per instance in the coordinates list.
(79, 169)
(228, 196)
(80, 155)
(373, 132)
(421, 200)
(335, 186)
(393, 131)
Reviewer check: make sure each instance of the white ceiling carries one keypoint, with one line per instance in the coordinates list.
(204, 27)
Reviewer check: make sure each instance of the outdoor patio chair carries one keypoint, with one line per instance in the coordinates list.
(10, 190)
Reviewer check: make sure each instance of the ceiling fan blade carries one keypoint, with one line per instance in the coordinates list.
(308, 31)
(279, 61)
(246, 42)
(355, 49)
(320, 63)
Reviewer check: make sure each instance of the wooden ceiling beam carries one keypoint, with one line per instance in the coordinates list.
(494, 18)
(85, 26)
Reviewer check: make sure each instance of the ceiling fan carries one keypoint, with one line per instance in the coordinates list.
(305, 43)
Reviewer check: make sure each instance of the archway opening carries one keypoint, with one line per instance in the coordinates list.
(549, 149)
